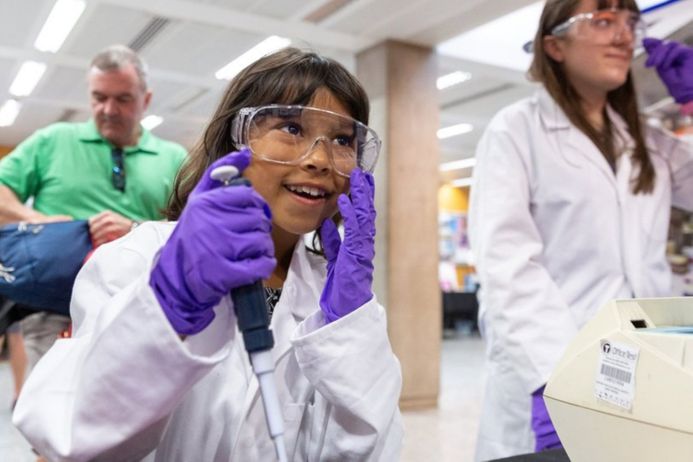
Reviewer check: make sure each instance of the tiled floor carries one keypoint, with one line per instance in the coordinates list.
(448, 433)
(445, 434)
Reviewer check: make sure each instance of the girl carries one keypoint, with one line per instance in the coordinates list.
(570, 209)
(156, 369)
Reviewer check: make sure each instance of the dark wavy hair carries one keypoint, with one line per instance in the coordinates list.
(551, 74)
(289, 76)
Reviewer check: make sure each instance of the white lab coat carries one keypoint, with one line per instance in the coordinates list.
(555, 235)
(126, 388)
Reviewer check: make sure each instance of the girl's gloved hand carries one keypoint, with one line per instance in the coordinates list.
(674, 64)
(544, 432)
(222, 241)
(350, 263)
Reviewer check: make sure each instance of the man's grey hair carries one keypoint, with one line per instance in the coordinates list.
(117, 57)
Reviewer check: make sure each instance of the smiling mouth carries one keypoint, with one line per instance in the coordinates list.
(307, 192)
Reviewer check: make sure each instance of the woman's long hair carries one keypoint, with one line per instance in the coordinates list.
(551, 74)
(289, 76)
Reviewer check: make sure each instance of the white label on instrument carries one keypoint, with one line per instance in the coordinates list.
(615, 382)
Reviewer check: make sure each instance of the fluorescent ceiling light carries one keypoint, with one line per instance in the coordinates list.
(454, 130)
(8, 112)
(267, 46)
(28, 76)
(60, 22)
(462, 182)
(454, 78)
(151, 121)
(458, 164)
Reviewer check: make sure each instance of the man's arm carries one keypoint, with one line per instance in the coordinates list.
(108, 226)
(12, 210)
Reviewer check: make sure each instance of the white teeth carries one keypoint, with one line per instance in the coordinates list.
(315, 192)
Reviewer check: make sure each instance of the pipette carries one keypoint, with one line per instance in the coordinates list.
(253, 322)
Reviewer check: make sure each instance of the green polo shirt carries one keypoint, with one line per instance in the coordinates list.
(67, 168)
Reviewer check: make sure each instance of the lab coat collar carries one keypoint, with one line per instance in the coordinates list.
(574, 144)
(554, 118)
(300, 296)
(550, 112)
(622, 136)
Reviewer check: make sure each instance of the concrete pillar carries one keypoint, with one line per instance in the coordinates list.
(400, 80)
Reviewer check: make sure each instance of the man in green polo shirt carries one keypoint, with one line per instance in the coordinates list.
(109, 170)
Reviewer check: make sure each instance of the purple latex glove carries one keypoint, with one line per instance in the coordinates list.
(674, 64)
(350, 263)
(222, 241)
(544, 433)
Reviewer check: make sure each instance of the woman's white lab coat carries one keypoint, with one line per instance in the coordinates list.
(556, 234)
(126, 387)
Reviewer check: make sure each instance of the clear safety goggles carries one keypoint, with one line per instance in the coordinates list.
(603, 26)
(289, 134)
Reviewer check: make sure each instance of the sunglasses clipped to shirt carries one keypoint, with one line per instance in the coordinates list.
(118, 169)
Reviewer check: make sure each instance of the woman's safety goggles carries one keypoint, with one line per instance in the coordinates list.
(289, 134)
(603, 26)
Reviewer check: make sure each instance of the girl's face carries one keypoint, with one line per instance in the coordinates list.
(595, 54)
(290, 190)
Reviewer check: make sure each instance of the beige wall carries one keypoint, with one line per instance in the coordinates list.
(400, 79)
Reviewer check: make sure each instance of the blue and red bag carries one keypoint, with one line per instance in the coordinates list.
(39, 262)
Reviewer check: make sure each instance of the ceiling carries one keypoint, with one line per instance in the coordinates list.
(185, 42)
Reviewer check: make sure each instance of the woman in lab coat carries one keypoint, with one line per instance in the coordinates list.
(570, 207)
(157, 369)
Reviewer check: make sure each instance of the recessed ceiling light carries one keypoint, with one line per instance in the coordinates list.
(267, 46)
(458, 164)
(9, 111)
(454, 78)
(28, 76)
(462, 182)
(60, 22)
(151, 121)
(454, 130)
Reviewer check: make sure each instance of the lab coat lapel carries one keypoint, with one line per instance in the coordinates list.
(572, 142)
(300, 297)
(623, 147)
(624, 142)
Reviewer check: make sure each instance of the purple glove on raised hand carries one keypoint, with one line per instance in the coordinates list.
(674, 64)
(544, 433)
(222, 241)
(350, 263)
